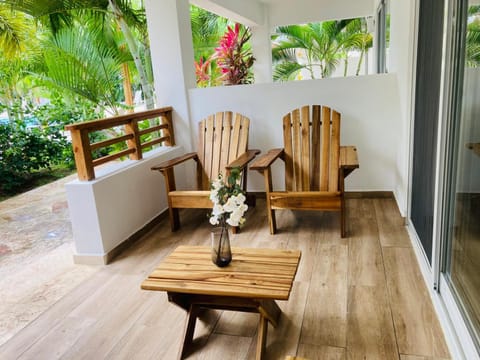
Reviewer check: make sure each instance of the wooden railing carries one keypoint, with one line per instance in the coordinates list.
(131, 135)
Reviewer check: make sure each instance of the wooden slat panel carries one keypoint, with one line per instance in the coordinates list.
(217, 146)
(226, 136)
(201, 182)
(243, 141)
(209, 136)
(305, 165)
(235, 138)
(325, 148)
(190, 199)
(287, 140)
(297, 151)
(315, 171)
(244, 277)
(334, 152)
(305, 201)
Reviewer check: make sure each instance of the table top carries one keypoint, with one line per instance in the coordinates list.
(253, 273)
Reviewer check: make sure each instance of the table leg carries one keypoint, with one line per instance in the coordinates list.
(262, 337)
(189, 330)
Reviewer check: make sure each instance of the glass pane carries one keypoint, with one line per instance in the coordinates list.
(463, 260)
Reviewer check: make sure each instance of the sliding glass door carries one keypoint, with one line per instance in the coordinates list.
(461, 266)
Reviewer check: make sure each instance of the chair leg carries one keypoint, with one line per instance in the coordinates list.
(272, 221)
(343, 215)
(174, 218)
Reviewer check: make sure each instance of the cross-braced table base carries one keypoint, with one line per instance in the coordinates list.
(267, 309)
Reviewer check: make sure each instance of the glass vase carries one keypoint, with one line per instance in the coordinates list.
(221, 252)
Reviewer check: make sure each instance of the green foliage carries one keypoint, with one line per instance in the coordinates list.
(473, 37)
(23, 151)
(234, 56)
(321, 46)
(79, 59)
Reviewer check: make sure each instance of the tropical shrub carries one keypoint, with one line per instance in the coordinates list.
(234, 56)
(23, 151)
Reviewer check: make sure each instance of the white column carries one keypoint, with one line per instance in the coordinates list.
(262, 51)
(172, 59)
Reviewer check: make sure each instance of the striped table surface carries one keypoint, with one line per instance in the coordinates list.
(253, 273)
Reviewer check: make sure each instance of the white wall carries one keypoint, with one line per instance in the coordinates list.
(124, 197)
(401, 62)
(283, 12)
(172, 57)
(250, 13)
(370, 119)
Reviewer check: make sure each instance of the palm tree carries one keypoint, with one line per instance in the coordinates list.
(473, 37)
(18, 54)
(59, 14)
(320, 45)
(80, 60)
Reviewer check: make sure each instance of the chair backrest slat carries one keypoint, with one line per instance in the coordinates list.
(226, 138)
(297, 151)
(243, 140)
(287, 141)
(235, 137)
(209, 136)
(305, 165)
(312, 149)
(334, 152)
(221, 141)
(325, 152)
(217, 145)
(316, 124)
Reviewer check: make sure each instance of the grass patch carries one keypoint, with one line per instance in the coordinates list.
(39, 178)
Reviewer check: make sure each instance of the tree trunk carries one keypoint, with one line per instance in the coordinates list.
(360, 62)
(132, 46)
(127, 88)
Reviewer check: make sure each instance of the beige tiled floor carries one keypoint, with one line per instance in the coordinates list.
(36, 248)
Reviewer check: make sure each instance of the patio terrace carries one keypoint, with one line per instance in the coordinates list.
(362, 297)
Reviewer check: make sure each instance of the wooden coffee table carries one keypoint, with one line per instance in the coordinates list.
(251, 282)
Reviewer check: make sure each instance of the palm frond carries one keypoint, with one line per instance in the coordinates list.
(77, 61)
(286, 71)
(15, 29)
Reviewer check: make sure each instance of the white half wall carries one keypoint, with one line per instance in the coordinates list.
(370, 120)
(124, 197)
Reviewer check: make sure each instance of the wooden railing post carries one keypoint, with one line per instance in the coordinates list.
(132, 128)
(169, 122)
(83, 154)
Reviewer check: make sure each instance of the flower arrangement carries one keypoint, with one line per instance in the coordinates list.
(228, 200)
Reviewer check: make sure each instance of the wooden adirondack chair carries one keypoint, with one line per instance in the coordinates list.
(222, 146)
(315, 164)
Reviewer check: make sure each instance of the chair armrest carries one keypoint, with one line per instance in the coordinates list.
(175, 161)
(243, 159)
(265, 161)
(348, 159)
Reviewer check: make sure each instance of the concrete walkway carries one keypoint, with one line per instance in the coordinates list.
(36, 248)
